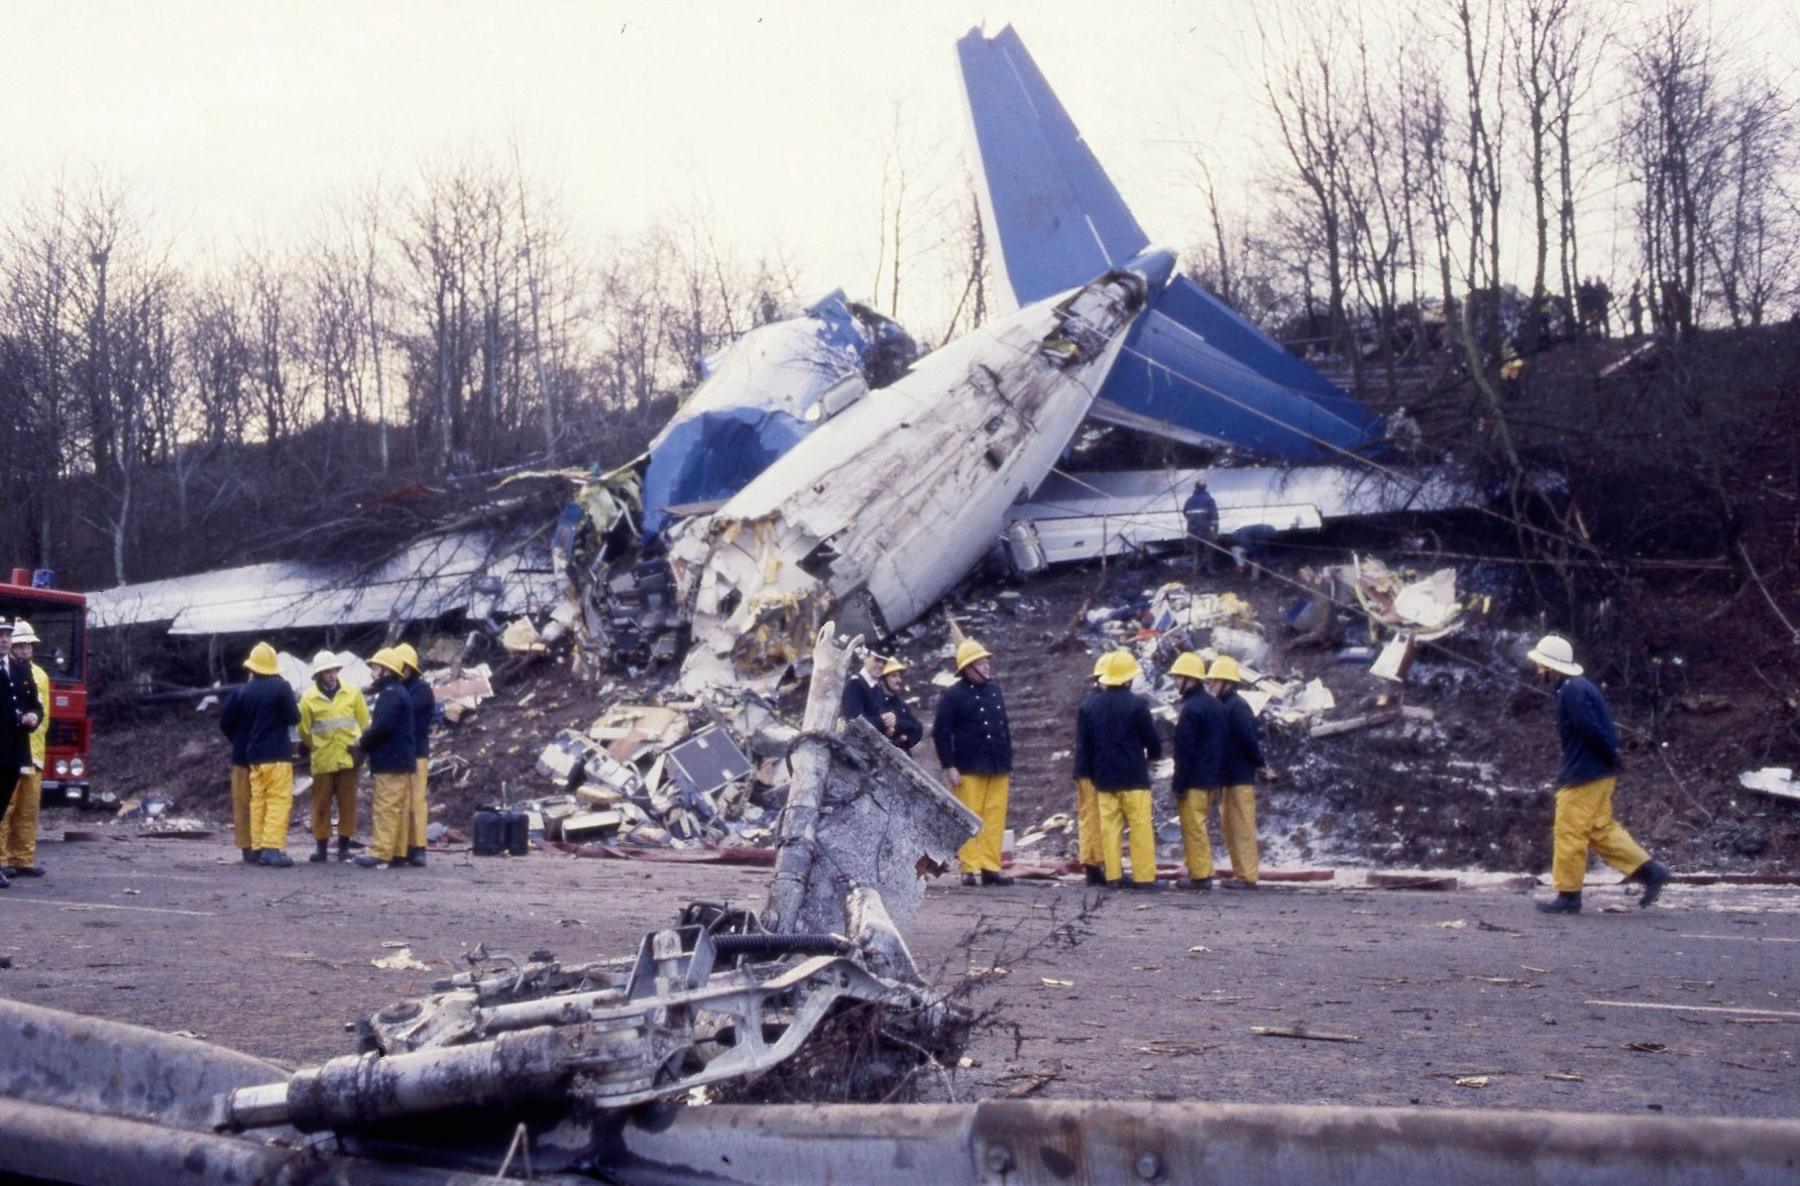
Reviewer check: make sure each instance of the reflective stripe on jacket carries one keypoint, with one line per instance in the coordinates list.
(331, 725)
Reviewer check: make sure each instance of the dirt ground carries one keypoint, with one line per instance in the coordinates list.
(1690, 1007)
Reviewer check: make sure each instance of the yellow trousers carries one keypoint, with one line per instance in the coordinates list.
(1120, 810)
(18, 831)
(1585, 823)
(417, 811)
(1087, 823)
(1237, 821)
(391, 809)
(271, 804)
(1195, 811)
(240, 807)
(985, 795)
(334, 786)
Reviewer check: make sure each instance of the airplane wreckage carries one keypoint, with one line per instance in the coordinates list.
(632, 1069)
(824, 469)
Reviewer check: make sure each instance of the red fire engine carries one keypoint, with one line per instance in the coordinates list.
(60, 619)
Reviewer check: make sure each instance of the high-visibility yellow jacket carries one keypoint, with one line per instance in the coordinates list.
(42, 732)
(329, 726)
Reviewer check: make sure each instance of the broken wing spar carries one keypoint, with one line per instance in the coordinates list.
(881, 511)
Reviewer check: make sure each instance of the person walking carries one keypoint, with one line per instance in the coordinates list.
(974, 746)
(1119, 739)
(1087, 805)
(393, 760)
(269, 711)
(1239, 763)
(19, 822)
(333, 716)
(424, 705)
(1584, 820)
(1200, 734)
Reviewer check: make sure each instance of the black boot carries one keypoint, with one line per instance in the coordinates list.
(1654, 874)
(399, 863)
(1095, 874)
(1562, 904)
(318, 858)
(4, 883)
(971, 879)
(274, 858)
(343, 848)
(367, 862)
(1203, 884)
(251, 856)
(416, 857)
(988, 877)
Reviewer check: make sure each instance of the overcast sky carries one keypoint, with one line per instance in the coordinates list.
(234, 121)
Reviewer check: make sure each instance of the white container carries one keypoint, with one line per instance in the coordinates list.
(1007, 839)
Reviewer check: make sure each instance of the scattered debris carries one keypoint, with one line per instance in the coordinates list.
(1777, 782)
(1473, 1081)
(401, 961)
(1272, 1031)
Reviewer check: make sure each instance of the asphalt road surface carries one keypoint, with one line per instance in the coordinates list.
(1460, 999)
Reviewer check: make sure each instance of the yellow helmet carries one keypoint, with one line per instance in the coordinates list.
(1189, 664)
(1225, 668)
(968, 651)
(1119, 669)
(892, 667)
(262, 660)
(404, 652)
(390, 658)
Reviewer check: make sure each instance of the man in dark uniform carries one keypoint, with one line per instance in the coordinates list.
(1116, 733)
(393, 760)
(1087, 803)
(1584, 787)
(418, 814)
(1239, 763)
(1201, 511)
(896, 719)
(20, 711)
(974, 745)
(231, 723)
(862, 692)
(270, 712)
(1200, 733)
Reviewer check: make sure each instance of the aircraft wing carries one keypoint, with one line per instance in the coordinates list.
(1192, 369)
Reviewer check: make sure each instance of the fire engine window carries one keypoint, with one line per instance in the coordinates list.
(59, 651)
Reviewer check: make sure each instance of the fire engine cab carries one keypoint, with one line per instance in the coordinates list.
(60, 619)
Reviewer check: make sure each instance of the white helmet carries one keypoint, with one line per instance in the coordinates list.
(1553, 651)
(22, 632)
(326, 661)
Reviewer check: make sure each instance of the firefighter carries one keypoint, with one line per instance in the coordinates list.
(1200, 733)
(269, 711)
(1584, 787)
(1239, 764)
(1200, 513)
(862, 693)
(897, 722)
(974, 746)
(231, 723)
(1118, 738)
(333, 716)
(18, 829)
(1087, 806)
(424, 704)
(393, 760)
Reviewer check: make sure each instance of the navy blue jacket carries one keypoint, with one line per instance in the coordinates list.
(1243, 749)
(267, 710)
(424, 704)
(1202, 513)
(231, 723)
(1199, 743)
(970, 729)
(389, 738)
(1118, 739)
(18, 697)
(907, 729)
(1590, 745)
(861, 699)
(1084, 761)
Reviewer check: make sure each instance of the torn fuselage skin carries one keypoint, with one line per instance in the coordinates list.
(877, 515)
